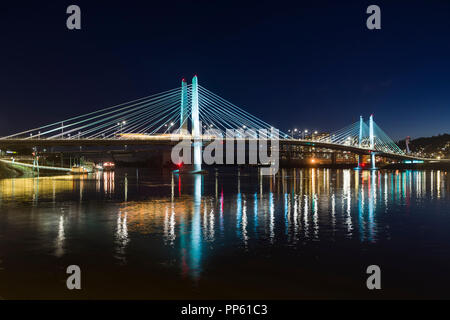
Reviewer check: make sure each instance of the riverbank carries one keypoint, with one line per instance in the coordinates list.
(13, 171)
(9, 169)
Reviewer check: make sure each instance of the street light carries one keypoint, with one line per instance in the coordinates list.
(315, 133)
(292, 131)
(121, 124)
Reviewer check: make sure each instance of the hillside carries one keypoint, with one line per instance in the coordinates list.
(430, 146)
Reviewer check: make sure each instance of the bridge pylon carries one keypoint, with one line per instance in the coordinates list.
(361, 123)
(196, 127)
(360, 137)
(372, 143)
(183, 107)
(371, 136)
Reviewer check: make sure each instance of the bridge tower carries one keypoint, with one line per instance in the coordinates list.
(407, 140)
(361, 122)
(372, 142)
(196, 127)
(183, 107)
(360, 137)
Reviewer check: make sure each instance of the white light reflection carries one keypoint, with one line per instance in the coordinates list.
(438, 184)
(169, 226)
(287, 213)
(272, 217)
(386, 192)
(432, 184)
(211, 225)
(315, 216)
(348, 197)
(296, 217)
(333, 212)
(305, 216)
(59, 250)
(121, 236)
(244, 224)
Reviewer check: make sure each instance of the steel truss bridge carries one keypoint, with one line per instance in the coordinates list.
(194, 112)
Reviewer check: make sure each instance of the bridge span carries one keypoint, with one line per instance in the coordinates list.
(167, 140)
(193, 112)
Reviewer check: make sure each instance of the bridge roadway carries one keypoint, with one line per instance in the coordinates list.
(167, 140)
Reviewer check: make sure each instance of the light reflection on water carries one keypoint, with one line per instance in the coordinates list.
(194, 216)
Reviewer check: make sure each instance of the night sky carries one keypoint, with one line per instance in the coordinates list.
(291, 64)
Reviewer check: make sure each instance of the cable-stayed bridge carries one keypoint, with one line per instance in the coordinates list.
(193, 112)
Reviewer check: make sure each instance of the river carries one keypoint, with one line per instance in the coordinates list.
(228, 234)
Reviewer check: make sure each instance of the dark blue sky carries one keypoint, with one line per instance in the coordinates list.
(308, 64)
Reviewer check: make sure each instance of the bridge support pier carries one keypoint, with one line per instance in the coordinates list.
(333, 158)
(373, 161)
(36, 164)
(359, 162)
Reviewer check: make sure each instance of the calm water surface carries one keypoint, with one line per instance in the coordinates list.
(305, 233)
